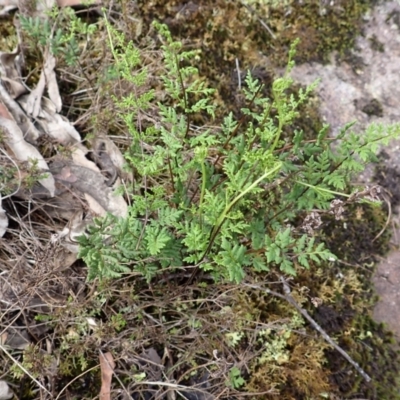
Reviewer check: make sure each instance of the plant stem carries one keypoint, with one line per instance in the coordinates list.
(203, 185)
(224, 214)
(320, 189)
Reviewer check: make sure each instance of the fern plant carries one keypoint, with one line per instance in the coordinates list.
(226, 200)
(62, 32)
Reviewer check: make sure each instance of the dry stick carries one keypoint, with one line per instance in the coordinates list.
(238, 74)
(288, 297)
(73, 380)
(389, 217)
(252, 11)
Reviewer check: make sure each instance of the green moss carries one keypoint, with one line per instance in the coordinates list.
(388, 177)
(394, 18)
(348, 317)
(8, 36)
(376, 44)
(373, 108)
(322, 27)
(353, 238)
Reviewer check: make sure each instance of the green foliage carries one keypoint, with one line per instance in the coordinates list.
(34, 361)
(276, 344)
(61, 32)
(233, 338)
(118, 322)
(8, 179)
(33, 174)
(235, 380)
(226, 199)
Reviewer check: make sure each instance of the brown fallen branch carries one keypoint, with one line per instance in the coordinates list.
(289, 298)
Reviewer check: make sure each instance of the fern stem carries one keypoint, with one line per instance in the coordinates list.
(171, 174)
(280, 126)
(245, 191)
(203, 183)
(320, 189)
(184, 95)
(239, 124)
(224, 214)
(109, 35)
(203, 189)
(252, 186)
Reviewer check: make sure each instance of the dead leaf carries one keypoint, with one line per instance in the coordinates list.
(66, 260)
(92, 183)
(66, 175)
(10, 75)
(52, 123)
(3, 337)
(107, 366)
(79, 158)
(104, 147)
(4, 112)
(44, 6)
(64, 205)
(47, 78)
(95, 207)
(24, 151)
(103, 160)
(17, 338)
(154, 367)
(8, 5)
(51, 81)
(30, 133)
(3, 220)
(5, 391)
(199, 388)
(151, 366)
(75, 227)
(36, 8)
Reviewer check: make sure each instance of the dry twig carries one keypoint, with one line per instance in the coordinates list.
(289, 298)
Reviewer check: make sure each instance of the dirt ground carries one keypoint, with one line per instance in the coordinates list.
(366, 88)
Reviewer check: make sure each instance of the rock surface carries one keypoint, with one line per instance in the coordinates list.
(366, 88)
